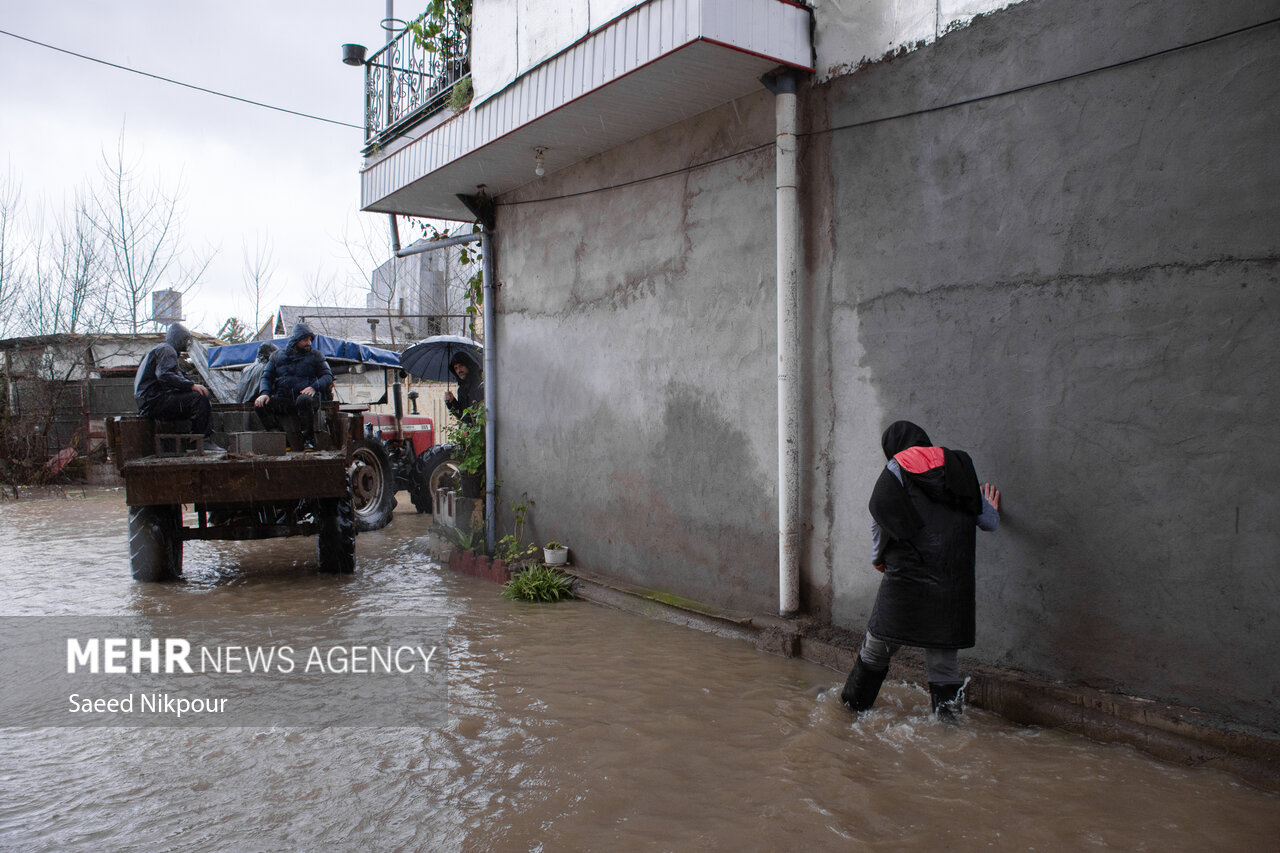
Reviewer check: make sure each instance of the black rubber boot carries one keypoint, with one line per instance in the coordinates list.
(863, 686)
(946, 700)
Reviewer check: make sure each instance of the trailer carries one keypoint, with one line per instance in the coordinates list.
(177, 491)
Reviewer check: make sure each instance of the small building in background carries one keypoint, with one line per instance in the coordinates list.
(56, 392)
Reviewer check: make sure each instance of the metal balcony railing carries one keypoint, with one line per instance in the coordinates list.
(405, 83)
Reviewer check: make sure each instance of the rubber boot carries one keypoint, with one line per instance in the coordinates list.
(863, 686)
(946, 700)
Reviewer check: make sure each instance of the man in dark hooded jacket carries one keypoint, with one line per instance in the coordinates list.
(251, 377)
(163, 393)
(470, 384)
(924, 510)
(295, 381)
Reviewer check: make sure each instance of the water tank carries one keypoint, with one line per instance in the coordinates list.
(166, 306)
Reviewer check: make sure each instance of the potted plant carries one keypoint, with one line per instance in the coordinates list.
(466, 434)
(555, 554)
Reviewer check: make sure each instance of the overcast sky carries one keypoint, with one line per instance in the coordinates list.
(248, 173)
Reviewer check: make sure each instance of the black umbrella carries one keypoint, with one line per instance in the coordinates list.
(429, 359)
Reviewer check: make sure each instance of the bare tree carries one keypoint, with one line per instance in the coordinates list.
(368, 250)
(259, 266)
(67, 289)
(140, 225)
(11, 278)
(322, 289)
(459, 301)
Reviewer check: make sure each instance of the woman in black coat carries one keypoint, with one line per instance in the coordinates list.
(925, 509)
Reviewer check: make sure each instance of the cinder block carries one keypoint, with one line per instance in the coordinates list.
(238, 421)
(256, 443)
(178, 444)
(173, 427)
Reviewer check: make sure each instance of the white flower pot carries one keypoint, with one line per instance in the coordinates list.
(555, 556)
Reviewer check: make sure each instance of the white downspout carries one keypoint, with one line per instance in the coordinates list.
(490, 394)
(783, 86)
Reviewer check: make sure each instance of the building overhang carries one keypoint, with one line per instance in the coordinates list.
(662, 62)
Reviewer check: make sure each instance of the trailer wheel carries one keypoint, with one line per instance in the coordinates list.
(155, 546)
(435, 469)
(373, 485)
(175, 540)
(336, 541)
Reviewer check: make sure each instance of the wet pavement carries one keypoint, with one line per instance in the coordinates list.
(570, 727)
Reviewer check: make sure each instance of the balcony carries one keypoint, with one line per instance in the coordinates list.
(405, 84)
(659, 63)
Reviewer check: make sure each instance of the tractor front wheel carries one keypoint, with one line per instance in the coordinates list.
(373, 485)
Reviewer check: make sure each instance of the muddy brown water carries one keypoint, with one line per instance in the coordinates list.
(572, 727)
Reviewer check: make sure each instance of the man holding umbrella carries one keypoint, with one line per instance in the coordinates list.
(470, 378)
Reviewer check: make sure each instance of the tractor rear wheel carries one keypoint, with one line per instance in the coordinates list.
(435, 469)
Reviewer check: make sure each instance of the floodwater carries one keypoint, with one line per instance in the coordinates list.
(571, 727)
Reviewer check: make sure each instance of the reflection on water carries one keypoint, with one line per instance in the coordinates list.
(573, 727)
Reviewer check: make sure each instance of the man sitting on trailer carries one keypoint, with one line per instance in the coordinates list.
(163, 393)
(295, 381)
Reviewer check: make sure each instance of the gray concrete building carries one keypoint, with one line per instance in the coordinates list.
(1047, 233)
(422, 294)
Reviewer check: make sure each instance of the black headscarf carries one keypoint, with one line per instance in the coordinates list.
(890, 504)
(900, 435)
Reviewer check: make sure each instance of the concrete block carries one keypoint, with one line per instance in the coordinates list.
(238, 422)
(178, 444)
(256, 443)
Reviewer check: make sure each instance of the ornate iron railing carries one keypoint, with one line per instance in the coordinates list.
(405, 82)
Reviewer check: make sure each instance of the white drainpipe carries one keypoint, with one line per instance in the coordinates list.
(490, 394)
(783, 86)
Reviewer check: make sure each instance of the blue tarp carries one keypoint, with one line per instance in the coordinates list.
(334, 349)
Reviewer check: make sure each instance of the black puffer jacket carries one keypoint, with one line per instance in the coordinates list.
(929, 524)
(291, 369)
(926, 598)
(471, 389)
(159, 375)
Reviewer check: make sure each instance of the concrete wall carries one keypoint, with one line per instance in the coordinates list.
(848, 34)
(1077, 283)
(631, 325)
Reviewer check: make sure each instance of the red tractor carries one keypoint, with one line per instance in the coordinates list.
(397, 452)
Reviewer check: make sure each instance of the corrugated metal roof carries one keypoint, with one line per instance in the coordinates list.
(663, 62)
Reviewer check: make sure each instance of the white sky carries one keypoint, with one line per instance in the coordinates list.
(248, 173)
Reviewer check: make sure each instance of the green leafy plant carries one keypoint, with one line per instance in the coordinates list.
(553, 545)
(467, 540)
(467, 434)
(444, 28)
(512, 552)
(460, 95)
(539, 583)
(520, 510)
(511, 548)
